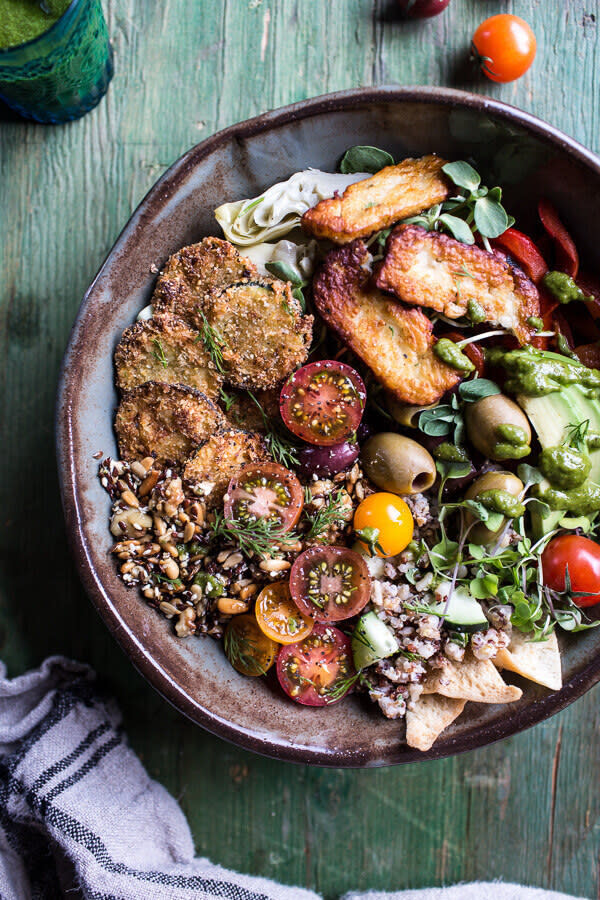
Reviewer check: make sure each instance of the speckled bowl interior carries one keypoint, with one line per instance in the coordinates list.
(509, 147)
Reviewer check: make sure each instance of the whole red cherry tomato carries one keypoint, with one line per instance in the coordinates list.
(582, 557)
(422, 9)
(504, 46)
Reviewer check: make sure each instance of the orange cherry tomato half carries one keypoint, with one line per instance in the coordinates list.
(265, 491)
(278, 616)
(504, 46)
(249, 651)
(384, 523)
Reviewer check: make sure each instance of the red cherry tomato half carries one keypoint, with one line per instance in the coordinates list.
(265, 491)
(323, 402)
(589, 355)
(582, 557)
(422, 9)
(330, 583)
(504, 46)
(319, 670)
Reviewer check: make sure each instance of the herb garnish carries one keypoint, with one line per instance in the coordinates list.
(258, 537)
(213, 343)
(329, 515)
(281, 448)
(159, 353)
(242, 650)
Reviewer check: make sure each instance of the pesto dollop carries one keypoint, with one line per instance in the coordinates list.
(476, 312)
(536, 373)
(581, 501)
(562, 287)
(564, 467)
(502, 502)
(450, 453)
(452, 355)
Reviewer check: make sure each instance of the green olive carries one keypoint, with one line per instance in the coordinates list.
(405, 413)
(487, 422)
(398, 464)
(491, 481)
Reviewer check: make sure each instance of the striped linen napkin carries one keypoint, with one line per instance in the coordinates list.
(80, 817)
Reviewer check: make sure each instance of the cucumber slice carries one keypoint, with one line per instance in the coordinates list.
(464, 613)
(372, 640)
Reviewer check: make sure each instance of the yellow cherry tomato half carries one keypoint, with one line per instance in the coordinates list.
(278, 616)
(384, 524)
(248, 650)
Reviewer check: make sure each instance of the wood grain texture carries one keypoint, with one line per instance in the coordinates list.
(527, 809)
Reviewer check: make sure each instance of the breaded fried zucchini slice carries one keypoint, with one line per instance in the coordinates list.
(377, 202)
(426, 268)
(244, 412)
(167, 421)
(394, 342)
(165, 349)
(210, 469)
(261, 330)
(193, 272)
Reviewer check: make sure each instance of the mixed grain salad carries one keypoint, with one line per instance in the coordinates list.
(359, 441)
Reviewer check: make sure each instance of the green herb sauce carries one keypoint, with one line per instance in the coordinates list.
(535, 373)
(452, 355)
(450, 453)
(503, 502)
(562, 287)
(564, 467)
(581, 501)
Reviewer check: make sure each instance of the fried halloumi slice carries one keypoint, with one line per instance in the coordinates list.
(210, 469)
(426, 268)
(430, 715)
(166, 349)
(394, 342)
(167, 421)
(377, 202)
(193, 272)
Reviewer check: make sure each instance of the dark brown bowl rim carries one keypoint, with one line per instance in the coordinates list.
(259, 743)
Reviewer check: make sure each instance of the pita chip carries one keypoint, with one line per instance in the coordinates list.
(473, 679)
(538, 661)
(430, 715)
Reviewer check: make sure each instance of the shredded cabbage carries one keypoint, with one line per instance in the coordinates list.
(280, 208)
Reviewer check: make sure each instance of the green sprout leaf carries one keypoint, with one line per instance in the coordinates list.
(463, 175)
(365, 159)
(458, 228)
(490, 217)
(471, 391)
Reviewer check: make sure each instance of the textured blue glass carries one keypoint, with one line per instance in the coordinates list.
(63, 73)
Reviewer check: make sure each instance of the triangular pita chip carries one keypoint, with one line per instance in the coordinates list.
(538, 661)
(472, 679)
(430, 715)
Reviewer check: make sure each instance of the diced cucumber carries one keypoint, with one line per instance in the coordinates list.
(463, 612)
(372, 640)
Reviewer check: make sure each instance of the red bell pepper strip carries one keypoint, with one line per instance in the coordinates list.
(567, 258)
(524, 252)
(590, 286)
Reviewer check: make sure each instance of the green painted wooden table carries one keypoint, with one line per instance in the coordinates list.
(527, 809)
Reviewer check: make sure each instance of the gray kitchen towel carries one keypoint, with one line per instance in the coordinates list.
(80, 815)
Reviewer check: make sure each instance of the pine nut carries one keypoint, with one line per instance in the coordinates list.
(147, 463)
(170, 568)
(183, 626)
(223, 556)
(233, 560)
(196, 592)
(189, 532)
(130, 499)
(167, 544)
(183, 517)
(248, 591)
(168, 609)
(229, 607)
(160, 526)
(274, 565)
(138, 469)
(148, 483)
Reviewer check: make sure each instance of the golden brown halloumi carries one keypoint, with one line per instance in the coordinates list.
(426, 268)
(395, 343)
(377, 202)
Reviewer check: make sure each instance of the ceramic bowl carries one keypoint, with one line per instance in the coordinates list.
(511, 148)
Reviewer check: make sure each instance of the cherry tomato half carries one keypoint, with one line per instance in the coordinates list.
(384, 522)
(422, 9)
(582, 557)
(330, 583)
(504, 46)
(317, 671)
(248, 650)
(265, 491)
(323, 402)
(278, 616)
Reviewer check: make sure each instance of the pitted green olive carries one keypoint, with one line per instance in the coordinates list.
(498, 428)
(398, 464)
(491, 481)
(405, 413)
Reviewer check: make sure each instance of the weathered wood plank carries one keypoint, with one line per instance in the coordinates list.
(527, 809)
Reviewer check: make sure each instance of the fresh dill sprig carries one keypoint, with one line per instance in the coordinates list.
(213, 343)
(226, 399)
(340, 687)
(159, 353)
(241, 652)
(278, 444)
(254, 537)
(331, 514)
